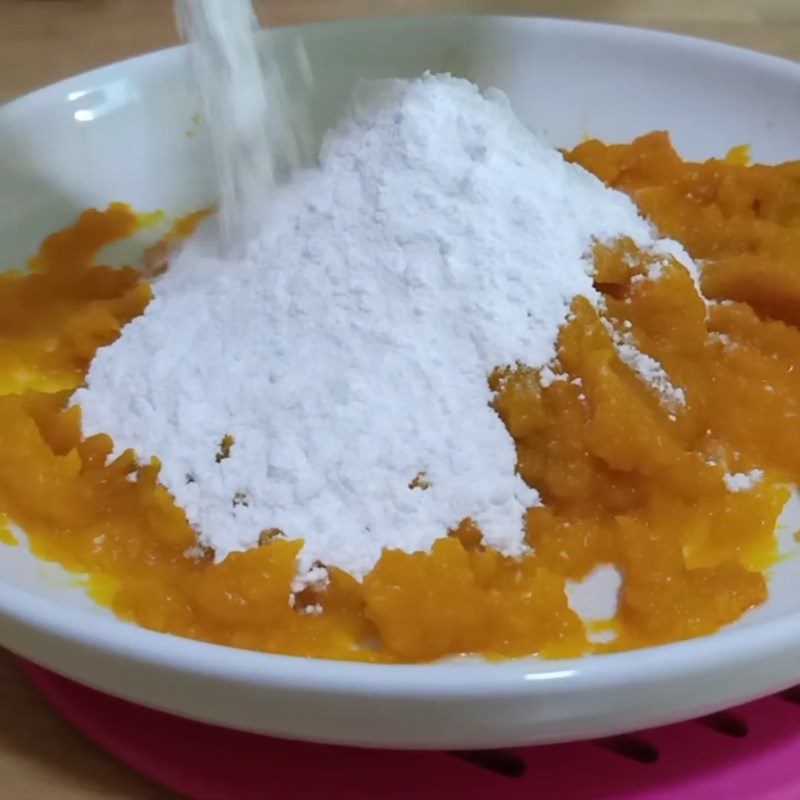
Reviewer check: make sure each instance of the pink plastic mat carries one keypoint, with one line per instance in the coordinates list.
(749, 753)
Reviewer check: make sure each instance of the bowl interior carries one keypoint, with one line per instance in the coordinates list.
(130, 132)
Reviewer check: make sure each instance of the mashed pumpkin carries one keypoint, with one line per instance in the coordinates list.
(626, 478)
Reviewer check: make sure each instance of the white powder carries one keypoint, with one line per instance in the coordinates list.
(596, 596)
(645, 366)
(666, 252)
(547, 377)
(348, 353)
(652, 373)
(256, 133)
(671, 250)
(743, 481)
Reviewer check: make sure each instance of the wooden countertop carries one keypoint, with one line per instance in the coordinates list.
(41, 756)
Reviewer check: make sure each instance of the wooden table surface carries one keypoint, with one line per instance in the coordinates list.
(41, 757)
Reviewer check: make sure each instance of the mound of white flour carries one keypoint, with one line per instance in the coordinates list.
(348, 353)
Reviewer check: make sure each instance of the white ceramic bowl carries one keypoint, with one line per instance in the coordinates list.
(120, 133)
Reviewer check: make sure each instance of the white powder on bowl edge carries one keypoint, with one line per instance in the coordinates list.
(348, 352)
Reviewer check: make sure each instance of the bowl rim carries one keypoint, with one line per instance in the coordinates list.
(747, 645)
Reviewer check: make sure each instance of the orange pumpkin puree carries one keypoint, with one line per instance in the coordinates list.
(625, 480)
